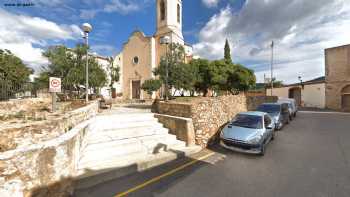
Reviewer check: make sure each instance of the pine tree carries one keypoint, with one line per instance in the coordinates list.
(227, 55)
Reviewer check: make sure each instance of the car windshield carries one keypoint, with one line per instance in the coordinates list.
(247, 121)
(269, 108)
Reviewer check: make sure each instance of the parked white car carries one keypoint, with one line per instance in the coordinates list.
(292, 103)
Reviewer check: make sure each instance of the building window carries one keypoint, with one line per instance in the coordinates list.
(162, 10)
(178, 13)
(135, 60)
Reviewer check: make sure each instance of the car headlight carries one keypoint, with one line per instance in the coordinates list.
(255, 140)
(222, 133)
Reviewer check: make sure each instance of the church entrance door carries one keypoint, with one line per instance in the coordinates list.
(136, 89)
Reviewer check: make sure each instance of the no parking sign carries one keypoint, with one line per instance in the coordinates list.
(55, 84)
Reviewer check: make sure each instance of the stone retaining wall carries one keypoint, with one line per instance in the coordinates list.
(172, 108)
(15, 106)
(16, 135)
(179, 126)
(210, 114)
(46, 168)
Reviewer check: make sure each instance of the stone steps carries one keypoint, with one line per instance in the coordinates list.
(126, 165)
(124, 142)
(126, 133)
(100, 127)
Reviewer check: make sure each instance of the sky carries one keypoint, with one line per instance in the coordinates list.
(300, 29)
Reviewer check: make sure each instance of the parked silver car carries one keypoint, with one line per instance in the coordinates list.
(292, 104)
(248, 132)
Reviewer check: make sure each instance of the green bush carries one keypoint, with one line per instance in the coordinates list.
(151, 85)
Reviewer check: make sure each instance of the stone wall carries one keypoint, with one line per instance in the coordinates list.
(12, 107)
(24, 133)
(46, 168)
(179, 126)
(172, 108)
(210, 114)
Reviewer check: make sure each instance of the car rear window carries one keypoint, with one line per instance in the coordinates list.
(269, 108)
(248, 121)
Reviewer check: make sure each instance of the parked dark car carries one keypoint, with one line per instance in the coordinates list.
(278, 111)
(248, 132)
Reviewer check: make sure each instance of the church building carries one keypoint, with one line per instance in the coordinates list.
(141, 53)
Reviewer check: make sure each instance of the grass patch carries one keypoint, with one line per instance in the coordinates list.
(184, 99)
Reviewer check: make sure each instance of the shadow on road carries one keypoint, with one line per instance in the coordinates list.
(116, 186)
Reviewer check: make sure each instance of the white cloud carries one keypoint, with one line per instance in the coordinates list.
(88, 14)
(23, 34)
(118, 6)
(123, 7)
(210, 3)
(301, 30)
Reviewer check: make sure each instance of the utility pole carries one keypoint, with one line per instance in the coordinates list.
(272, 67)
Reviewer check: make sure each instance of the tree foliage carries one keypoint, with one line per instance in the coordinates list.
(227, 53)
(239, 79)
(12, 69)
(69, 65)
(151, 85)
(204, 76)
(13, 75)
(113, 71)
(174, 61)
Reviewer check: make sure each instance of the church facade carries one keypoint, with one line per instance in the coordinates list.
(141, 54)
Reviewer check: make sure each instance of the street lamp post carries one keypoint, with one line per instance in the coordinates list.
(87, 29)
(165, 40)
(301, 81)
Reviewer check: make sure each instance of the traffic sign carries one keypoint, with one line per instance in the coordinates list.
(55, 84)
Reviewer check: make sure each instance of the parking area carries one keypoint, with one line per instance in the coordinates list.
(310, 157)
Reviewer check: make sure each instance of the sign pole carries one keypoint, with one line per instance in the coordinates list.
(53, 101)
(54, 86)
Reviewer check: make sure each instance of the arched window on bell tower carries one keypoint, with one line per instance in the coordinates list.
(162, 10)
(178, 13)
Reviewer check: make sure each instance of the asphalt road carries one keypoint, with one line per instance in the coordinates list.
(310, 157)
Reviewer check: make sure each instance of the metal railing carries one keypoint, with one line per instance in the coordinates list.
(12, 90)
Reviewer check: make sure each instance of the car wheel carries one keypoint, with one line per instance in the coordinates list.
(262, 150)
(279, 126)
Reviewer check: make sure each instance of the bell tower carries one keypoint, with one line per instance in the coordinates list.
(169, 19)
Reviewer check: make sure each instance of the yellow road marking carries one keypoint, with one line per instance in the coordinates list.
(155, 179)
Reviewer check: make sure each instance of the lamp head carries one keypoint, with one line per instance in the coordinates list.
(165, 40)
(87, 27)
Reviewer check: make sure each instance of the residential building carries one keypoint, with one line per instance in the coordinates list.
(307, 94)
(337, 61)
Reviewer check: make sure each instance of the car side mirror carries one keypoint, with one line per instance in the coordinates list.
(269, 126)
